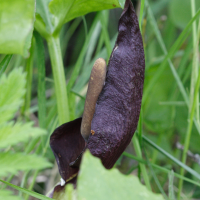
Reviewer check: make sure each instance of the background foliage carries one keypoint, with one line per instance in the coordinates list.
(54, 50)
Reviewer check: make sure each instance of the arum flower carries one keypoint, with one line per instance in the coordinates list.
(110, 118)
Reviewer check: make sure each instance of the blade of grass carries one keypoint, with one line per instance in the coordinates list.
(141, 13)
(77, 94)
(29, 75)
(26, 197)
(189, 132)
(160, 168)
(34, 194)
(194, 73)
(104, 18)
(78, 64)
(155, 177)
(51, 114)
(184, 59)
(168, 56)
(171, 186)
(140, 125)
(4, 64)
(70, 31)
(91, 48)
(100, 44)
(173, 103)
(84, 76)
(137, 147)
(136, 143)
(95, 26)
(41, 81)
(188, 169)
(85, 26)
(138, 151)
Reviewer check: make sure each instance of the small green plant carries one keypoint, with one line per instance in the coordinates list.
(14, 134)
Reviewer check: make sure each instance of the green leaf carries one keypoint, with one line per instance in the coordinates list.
(12, 91)
(66, 10)
(95, 182)
(7, 195)
(34, 194)
(57, 12)
(16, 22)
(12, 134)
(12, 162)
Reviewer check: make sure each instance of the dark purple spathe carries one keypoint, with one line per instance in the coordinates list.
(118, 106)
(117, 109)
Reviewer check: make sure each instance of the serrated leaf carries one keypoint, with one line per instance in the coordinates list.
(12, 91)
(12, 134)
(95, 182)
(16, 22)
(7, 195)
(12, 162)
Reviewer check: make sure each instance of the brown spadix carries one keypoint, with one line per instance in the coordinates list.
(96, 83)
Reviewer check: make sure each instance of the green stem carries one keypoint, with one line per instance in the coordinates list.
(194, 62)
(135, 140)
(155, 153)
(59, 78)
(142, 166)
(141, 13)
(32, 184)
(155, 177)
(194, 94)
(104, 23)
(188, 134)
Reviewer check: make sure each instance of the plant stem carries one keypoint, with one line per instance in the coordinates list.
(141, 13)
(32, 184)
(59, 78)
(142, 166)
(194, 95)
(136, 142)
(194, 73)
(188, 134)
